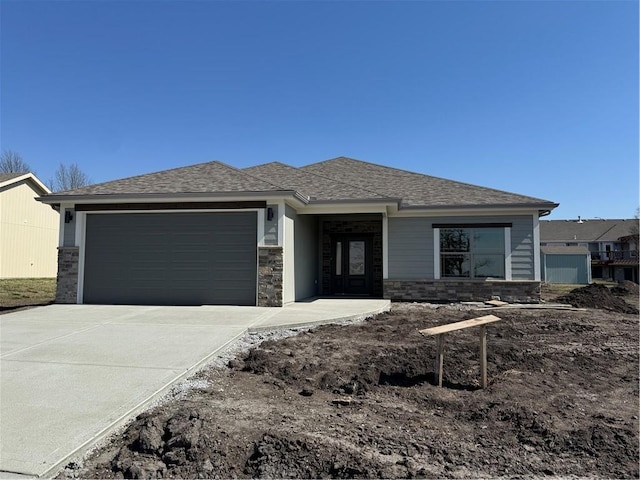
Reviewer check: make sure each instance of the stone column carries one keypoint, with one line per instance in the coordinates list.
(270, 268)
(67, 286)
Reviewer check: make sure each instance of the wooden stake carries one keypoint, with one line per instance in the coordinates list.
(439, 358)
(483, 356)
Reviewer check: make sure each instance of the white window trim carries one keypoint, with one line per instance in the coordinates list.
(507, 255)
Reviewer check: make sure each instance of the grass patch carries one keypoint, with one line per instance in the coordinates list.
(18, 292)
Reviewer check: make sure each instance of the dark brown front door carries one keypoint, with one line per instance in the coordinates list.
(352, 272)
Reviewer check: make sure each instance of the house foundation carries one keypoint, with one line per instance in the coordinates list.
(447, 291)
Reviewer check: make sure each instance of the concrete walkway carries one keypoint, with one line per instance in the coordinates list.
(71, 374)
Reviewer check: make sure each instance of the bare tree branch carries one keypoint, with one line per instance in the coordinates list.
(12, 162)
(69, 178)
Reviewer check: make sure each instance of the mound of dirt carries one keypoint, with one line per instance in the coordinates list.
(597, 296)
(358, 401)
(626, 288)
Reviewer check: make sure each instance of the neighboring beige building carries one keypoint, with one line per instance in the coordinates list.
(28, 229)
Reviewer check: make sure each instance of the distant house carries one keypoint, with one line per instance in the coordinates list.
(612, 244)
(566, 265)
(272, 234)
(28, 228)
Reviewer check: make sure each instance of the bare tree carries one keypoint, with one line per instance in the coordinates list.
(69, 178)
(12, 162)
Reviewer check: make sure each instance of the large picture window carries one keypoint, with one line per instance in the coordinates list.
(472, 252)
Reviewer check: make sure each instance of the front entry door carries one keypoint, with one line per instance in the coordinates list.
(352, 272)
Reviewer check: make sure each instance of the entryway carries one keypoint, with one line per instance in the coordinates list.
(352, 266)
(351, 255)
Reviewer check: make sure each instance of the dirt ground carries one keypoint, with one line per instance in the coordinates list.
(358, 401)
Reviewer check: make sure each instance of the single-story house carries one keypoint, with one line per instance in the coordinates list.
(562, 264)
(28, 228)
(272, 234)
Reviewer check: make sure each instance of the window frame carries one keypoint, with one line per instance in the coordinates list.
(438, 263)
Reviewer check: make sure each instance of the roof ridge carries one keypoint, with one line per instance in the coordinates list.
(258, 177)
(324, 177)
(349, 184)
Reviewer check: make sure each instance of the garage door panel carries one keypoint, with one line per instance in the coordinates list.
(175, 259)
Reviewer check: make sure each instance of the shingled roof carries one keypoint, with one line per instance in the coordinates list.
(339, 179)
(315, 187)
(415, 189)
(202, 178)
(597, 230)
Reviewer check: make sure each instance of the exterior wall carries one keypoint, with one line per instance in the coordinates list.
(270, 273)
(411, 248)
(28, 233)
(522, 248)
(444, 291)
(289, 285)
(300, 255)
(67, 285)
(69, 233)
(271, 226)
(361, 224)
(306, 252)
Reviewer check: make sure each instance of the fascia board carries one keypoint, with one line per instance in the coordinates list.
(172, 197)
(343, 208)
(26, 176)
(463, 211)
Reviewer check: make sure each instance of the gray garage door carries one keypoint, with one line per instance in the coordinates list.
(171, 259)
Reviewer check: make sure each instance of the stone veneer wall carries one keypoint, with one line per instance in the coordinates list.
(67, 285)
(439, 291)
(270, 268)
(356, 226)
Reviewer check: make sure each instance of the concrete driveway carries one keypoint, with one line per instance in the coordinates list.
(71, 374)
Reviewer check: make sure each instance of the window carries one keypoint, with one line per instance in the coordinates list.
(472, 252)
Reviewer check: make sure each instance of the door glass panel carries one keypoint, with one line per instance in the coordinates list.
(338, 258)
(356, 257)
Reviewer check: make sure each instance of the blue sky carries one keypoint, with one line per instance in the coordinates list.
(534, 97)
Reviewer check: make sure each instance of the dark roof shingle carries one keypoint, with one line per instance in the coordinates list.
(339, 179)
(202, 178)
(309, 184)
(415, 189)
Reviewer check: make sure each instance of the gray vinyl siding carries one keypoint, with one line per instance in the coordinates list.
(171, 259)
(411, 247)
(522, 248)
(271, 226)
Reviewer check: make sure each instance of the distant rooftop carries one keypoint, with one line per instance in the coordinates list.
(586, 230)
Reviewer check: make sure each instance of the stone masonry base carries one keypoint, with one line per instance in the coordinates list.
(67, 285)
(270, 268)
(444, 291)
